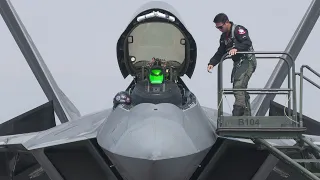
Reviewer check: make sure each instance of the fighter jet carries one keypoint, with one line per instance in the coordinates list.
(156, 130)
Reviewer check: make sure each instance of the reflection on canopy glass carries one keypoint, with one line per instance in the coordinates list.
(156, 39)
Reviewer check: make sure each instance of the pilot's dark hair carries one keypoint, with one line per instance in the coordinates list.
(221, 18)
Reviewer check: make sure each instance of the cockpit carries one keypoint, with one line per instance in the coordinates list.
(156, 49)
(156, 84)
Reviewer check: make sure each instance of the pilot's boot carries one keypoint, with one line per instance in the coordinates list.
(238, 110)
(247, 111)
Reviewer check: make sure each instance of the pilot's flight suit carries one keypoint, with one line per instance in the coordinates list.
(243, 67)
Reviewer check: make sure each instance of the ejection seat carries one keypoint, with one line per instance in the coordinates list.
(156, 87)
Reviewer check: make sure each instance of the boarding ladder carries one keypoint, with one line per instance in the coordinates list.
(261, 128)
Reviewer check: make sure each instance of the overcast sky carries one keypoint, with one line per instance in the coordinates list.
(77, 39)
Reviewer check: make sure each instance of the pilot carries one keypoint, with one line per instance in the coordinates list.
(236, 38)
(122, 97)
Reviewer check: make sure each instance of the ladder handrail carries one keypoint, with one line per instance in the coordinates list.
(286, 159)
(301, 87)
(309, 80)
(220, 74)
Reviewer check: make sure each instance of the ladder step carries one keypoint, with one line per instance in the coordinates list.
(286, 159)
(290, 147)
(317, 174)
(266, 127)
(313, 146)
(307, 160)
(287, 149)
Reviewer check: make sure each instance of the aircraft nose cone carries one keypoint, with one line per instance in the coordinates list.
(154, 142)
(155, 138)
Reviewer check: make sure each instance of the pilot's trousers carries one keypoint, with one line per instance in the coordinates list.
(241, 74)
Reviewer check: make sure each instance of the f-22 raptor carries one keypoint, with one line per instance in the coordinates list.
(158, 132)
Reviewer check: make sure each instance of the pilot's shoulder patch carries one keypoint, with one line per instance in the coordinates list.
(241, 30)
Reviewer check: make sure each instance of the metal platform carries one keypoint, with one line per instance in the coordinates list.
(266, 127)
(258, 128)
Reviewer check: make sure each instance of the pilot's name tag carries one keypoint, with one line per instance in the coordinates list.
(248, 122)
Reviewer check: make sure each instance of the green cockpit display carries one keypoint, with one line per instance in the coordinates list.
(156, 76)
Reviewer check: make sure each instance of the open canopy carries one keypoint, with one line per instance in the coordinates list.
(156, 39)
(156, 31)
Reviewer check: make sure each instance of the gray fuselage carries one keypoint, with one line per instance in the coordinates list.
(157, 141)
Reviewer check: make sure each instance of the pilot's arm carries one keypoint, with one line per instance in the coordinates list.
(218, 55)
(243, 42)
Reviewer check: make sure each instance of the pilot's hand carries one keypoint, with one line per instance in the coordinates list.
(209, 68)
(233, 52)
